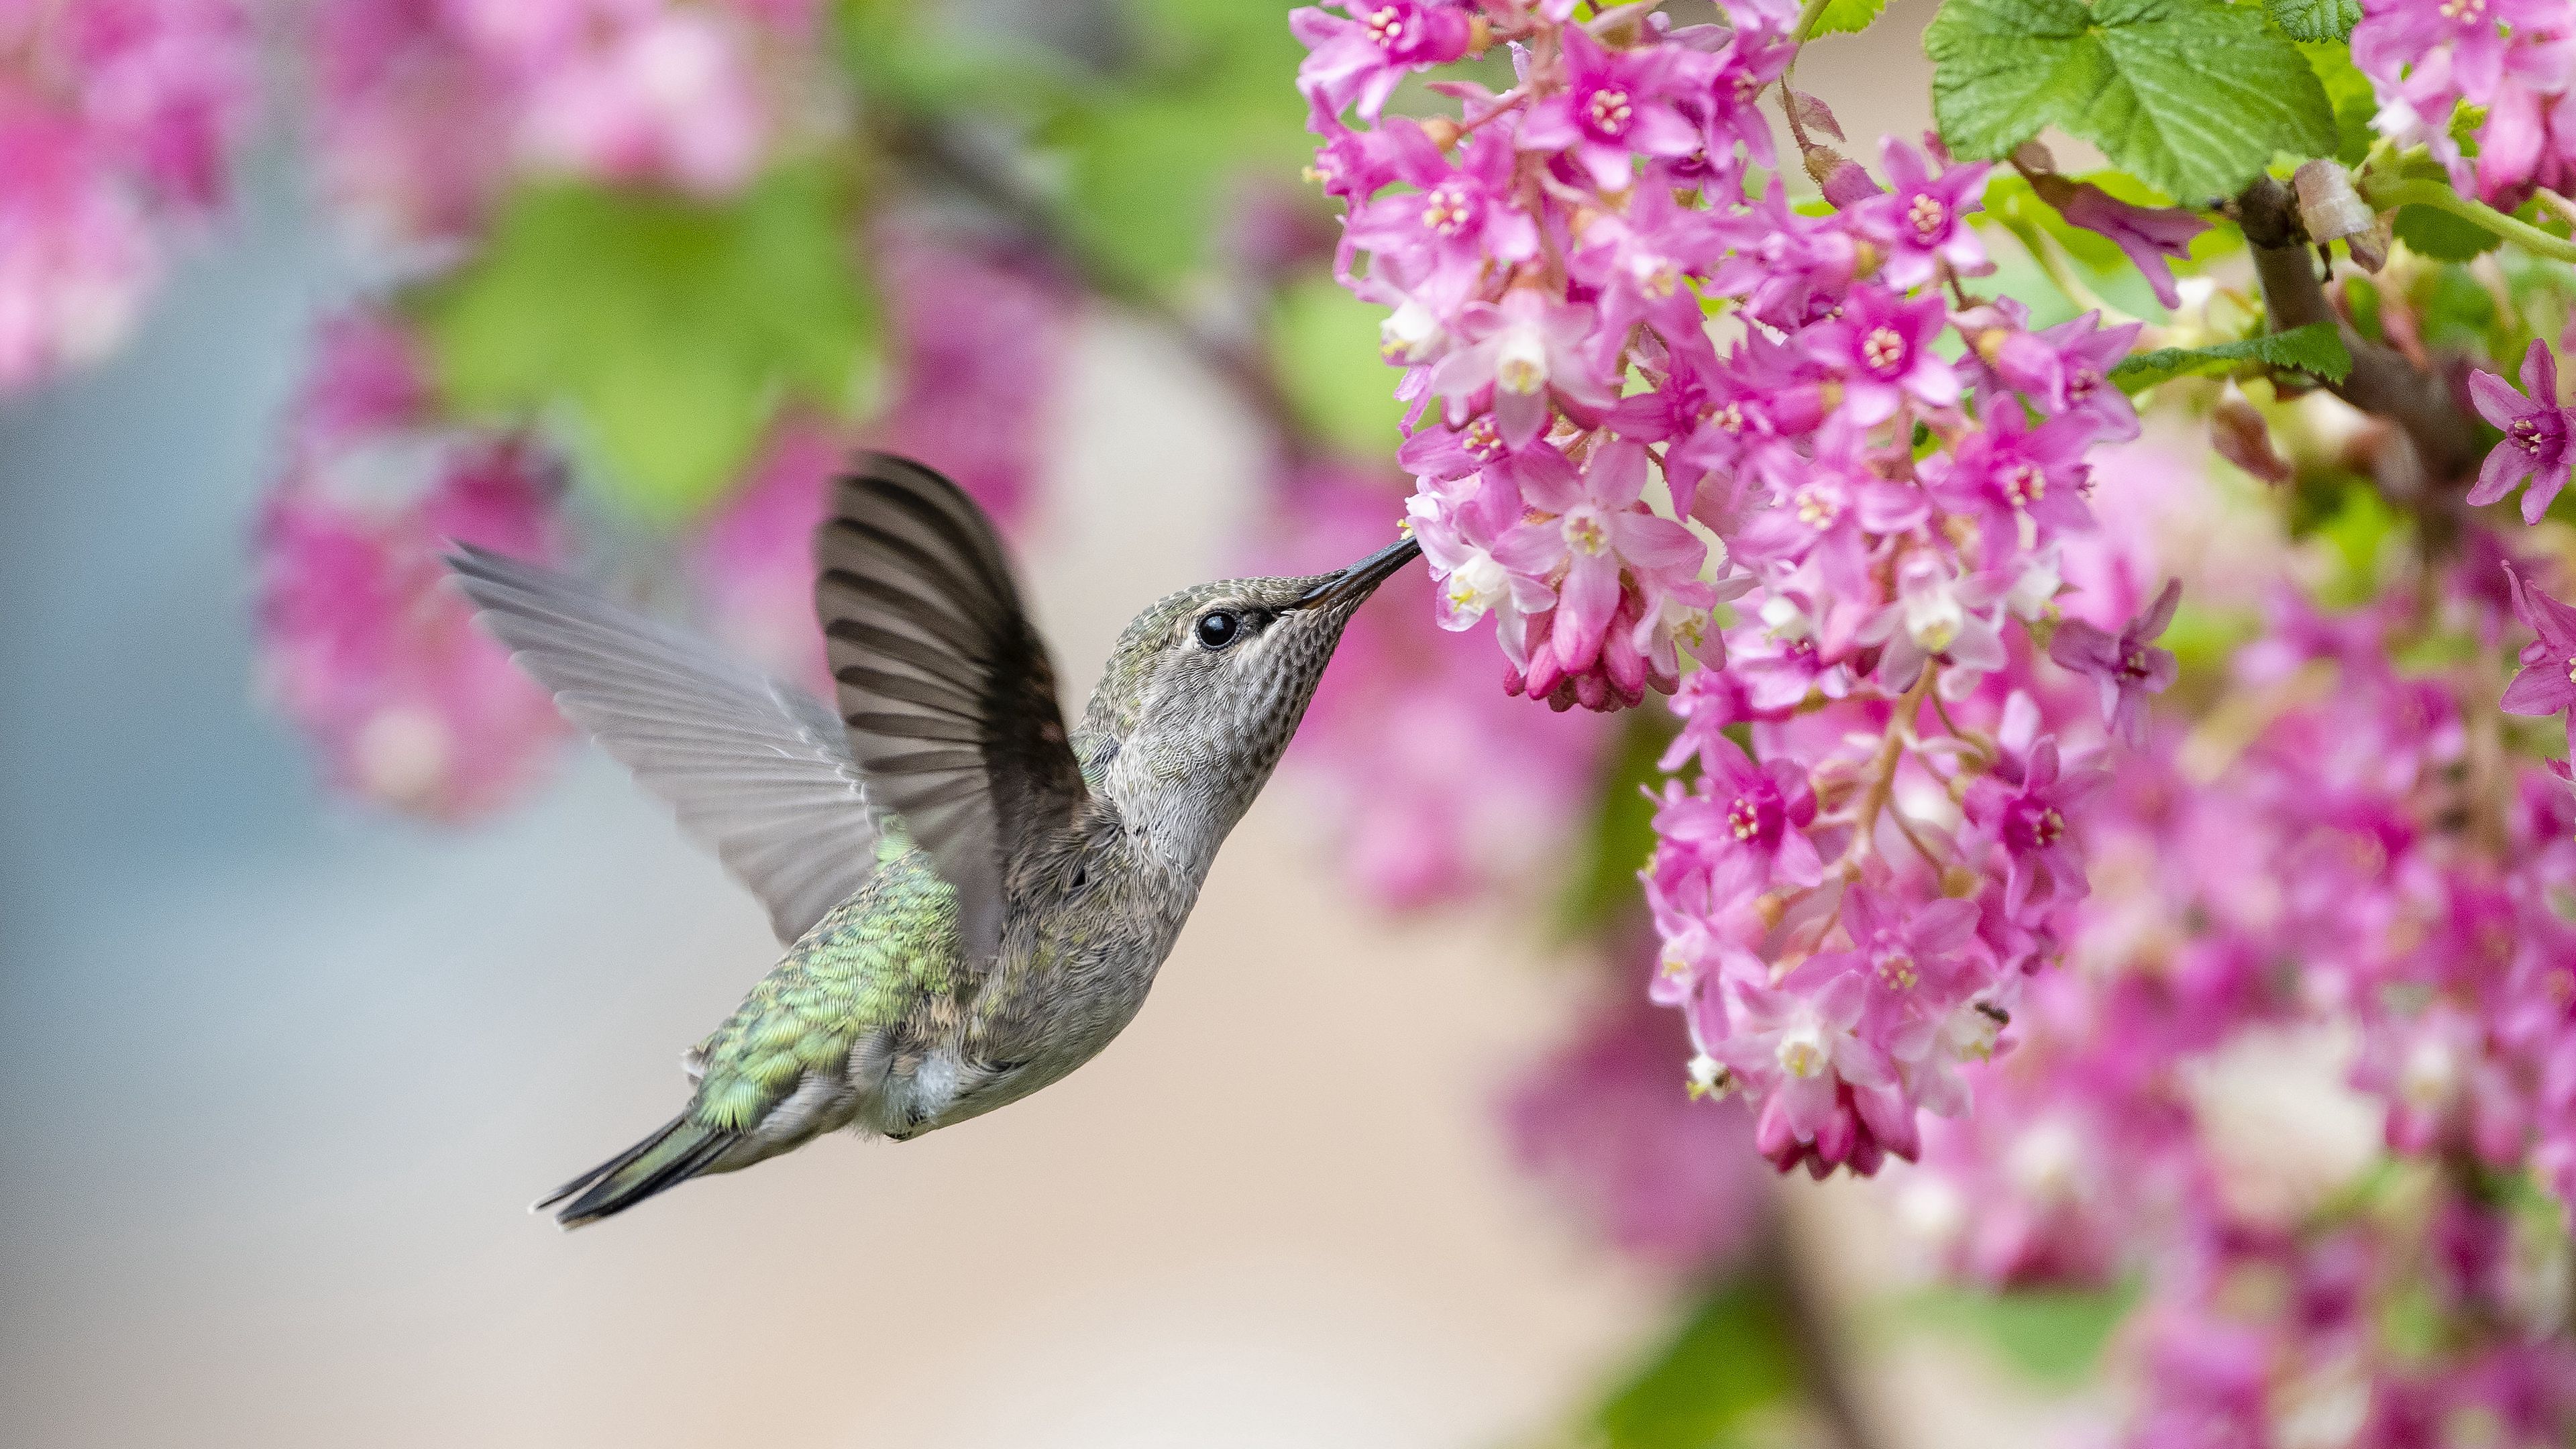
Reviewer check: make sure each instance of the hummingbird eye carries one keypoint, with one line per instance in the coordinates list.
(1218, 628)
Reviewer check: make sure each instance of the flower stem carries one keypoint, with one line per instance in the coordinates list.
(1882, 774)
(2388, 195)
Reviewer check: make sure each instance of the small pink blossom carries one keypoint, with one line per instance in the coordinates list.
(1359, 59)
(2127, 667)
(2537, 444)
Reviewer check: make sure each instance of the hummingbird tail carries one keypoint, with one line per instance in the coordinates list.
(681, 1150)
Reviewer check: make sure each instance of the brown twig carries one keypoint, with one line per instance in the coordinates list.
(1823, 1357)
(2426, 406)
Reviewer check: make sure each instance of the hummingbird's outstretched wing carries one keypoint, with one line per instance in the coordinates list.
(759, 771)
(945, 686)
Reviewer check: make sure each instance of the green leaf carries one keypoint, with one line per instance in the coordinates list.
(666, 331)
(2442, 236)
(1847, 17)
(2053, 1335)
(1324, 344)
(1730, 1368)
(2349, 92)
(2191, 96)
(2315, 348)
(2316, 20)
(1623, 830)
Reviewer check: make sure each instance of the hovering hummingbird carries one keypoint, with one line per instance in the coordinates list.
(973, 901)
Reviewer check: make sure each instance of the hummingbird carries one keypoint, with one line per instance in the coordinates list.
(973, 900)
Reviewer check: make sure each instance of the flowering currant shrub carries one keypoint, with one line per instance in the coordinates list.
(1961, 857)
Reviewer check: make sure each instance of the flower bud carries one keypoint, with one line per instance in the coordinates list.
(2328, 205)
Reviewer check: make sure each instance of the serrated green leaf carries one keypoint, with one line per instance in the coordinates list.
(2316, 348)
(1847, 17)
(2315, 20)
(2053, 1335)
(2442, 236)
(2191, 96)
(666, 331)
(1324, 343)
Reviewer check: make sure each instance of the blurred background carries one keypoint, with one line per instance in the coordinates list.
(300, 1015)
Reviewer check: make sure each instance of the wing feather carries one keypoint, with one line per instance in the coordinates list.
(930, 646)
(759, 771)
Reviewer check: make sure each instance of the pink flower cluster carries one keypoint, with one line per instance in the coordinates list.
(115, 115)
(2340, 865)
(428, 107)
(1581, 274)
(2514, 58)
(362, 642)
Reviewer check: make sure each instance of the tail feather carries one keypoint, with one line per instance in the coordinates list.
(679, 1151)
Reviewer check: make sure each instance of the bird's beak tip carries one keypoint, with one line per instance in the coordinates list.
(1361, 579)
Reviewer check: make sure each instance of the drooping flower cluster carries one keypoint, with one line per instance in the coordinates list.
(1591, 287)
(362, 642)
(426, 108)
(117, 119)
(2515, 59)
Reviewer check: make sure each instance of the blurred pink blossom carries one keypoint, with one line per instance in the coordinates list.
(363, 644)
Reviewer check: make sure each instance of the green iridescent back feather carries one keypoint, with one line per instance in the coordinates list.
(868, 961)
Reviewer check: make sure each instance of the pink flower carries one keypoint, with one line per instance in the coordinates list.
(2088, 351)
(1937, 616)
(2028, 807)
(2394, 34)
(1880, 349)
(1921, 221)
(362, 642)
(2536, 442)
(1616, 106)
(2547, 683)
(2128, 668)
(1361, 59)
(629, 92)
(1830, 1097)
(166, 87)
(1436, 241)
(1591, 530)
(2146, 234)
(1740, 808)
(75, 254)
(2026, 485)
(1516, 357)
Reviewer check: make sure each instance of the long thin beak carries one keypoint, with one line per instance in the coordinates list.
(1361, 579)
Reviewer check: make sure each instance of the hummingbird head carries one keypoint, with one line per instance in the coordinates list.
(1204, 690)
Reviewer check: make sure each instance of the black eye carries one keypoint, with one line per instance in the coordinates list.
(1217, 628)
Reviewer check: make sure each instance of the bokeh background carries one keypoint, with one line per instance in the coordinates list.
(281, 1070)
